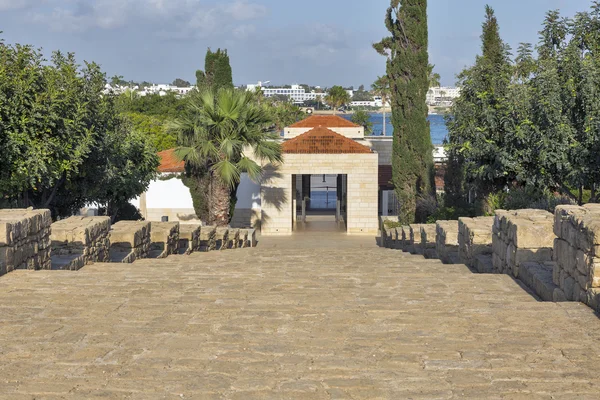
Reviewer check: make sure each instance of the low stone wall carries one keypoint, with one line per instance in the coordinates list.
(129, 241)
(415, 240)
(475, 243)
(251, 238)
(428, 241)
(208, 238)
(79, 241)
(189, 238)
(447, 241)
(577, 254)
(164, 239)
(24, 240)
(404, 239)
(243, 240)
(388, 233)
(221, 238)
(520, 237)
(233, 239)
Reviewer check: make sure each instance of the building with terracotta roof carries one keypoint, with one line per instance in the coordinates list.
(332, 176)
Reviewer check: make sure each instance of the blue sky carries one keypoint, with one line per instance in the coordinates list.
(319, 42)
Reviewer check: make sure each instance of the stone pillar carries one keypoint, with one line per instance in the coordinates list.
(306, 189)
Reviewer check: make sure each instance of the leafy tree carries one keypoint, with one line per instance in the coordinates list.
(217, 72)
(56, 124)
(482, 125)
(214, 131)
(337, 97)
(362, 95)
(363, 118)
(408, 74)
(181, 83)
(285, 114)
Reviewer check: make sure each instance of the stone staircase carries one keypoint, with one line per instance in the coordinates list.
(319, 317)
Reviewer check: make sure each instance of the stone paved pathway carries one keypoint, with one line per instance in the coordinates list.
(304, 319)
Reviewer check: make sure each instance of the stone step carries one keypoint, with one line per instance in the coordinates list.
(538, 278)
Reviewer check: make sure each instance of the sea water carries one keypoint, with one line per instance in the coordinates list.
(439, 131)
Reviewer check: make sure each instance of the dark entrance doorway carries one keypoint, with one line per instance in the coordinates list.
(320, 202)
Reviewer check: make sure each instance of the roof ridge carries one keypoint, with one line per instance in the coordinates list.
(321, 140)
(329, 121)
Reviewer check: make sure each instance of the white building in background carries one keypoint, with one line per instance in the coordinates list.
(376, 102)
(161, 90)
(442, 95)
(296, 92)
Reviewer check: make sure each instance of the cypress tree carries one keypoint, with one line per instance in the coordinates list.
(217, 72)
(408, 70)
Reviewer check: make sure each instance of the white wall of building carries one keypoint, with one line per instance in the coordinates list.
(171, 193)
(437, 95)
(248, 194)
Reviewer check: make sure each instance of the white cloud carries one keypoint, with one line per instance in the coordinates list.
(244, 11)
(7, 5)
(168, 18)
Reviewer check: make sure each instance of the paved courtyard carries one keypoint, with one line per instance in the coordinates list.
(313, 317)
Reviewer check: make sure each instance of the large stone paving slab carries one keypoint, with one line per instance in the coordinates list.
(285, 322)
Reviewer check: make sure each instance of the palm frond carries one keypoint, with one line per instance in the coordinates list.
(250, 167)
(227, 171)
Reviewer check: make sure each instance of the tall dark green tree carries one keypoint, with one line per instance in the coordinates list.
(483, 122)
(217, 71)
(408, 73)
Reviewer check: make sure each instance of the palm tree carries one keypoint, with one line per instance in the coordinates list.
(214, 133)
(381, 88)
(434, 77)
(337, 97)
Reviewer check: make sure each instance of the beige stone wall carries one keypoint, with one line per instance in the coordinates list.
(415, 240)
(164, 238)
(129, 241)
(577, 254)
(447, 241)
(474, 239)
(24, 239)
(189, 238)
(277, 194)
(520, 237)
(428, 240)
(79, 241)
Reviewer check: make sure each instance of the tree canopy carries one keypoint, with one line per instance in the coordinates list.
(217, 72)
(62, 141)
(408, 77)
(336, 97)
(531, 122)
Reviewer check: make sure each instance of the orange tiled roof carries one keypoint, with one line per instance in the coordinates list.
(169, 162)
(328, 121)
(321, 140)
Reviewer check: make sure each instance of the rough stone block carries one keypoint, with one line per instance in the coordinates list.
(129, 241)
(164, 239)
(189, 238)
(208, 238)
(78, 241)
(24, 239)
